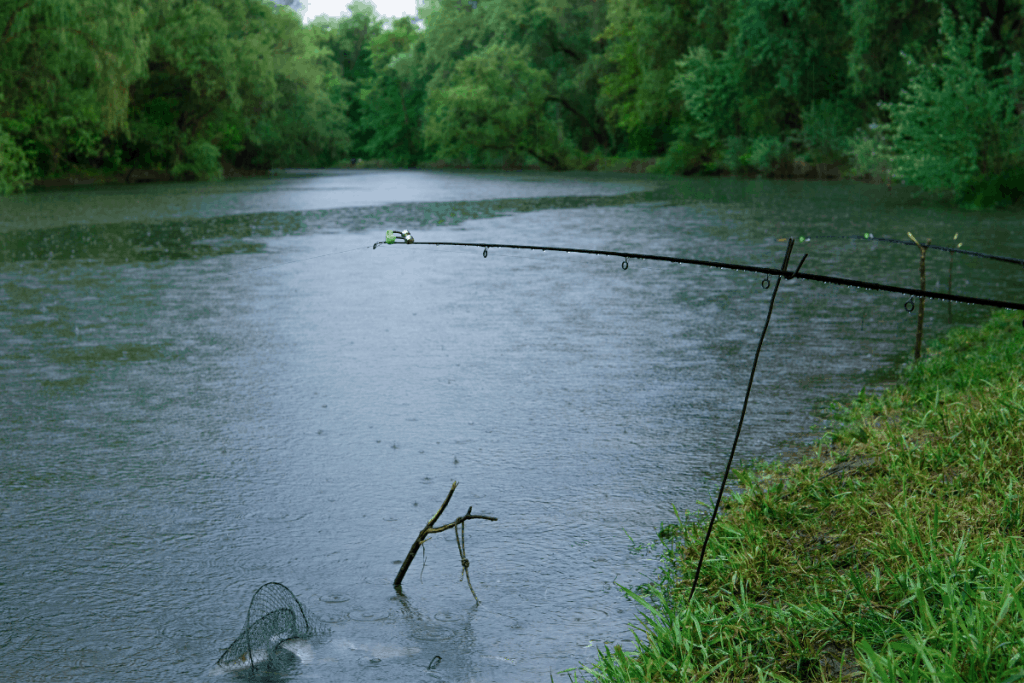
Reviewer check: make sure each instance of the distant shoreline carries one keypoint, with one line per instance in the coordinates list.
(132, 176)
(633, 166)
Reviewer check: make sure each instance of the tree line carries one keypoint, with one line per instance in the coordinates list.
(927, 92)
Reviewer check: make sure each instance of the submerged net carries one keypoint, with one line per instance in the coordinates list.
(275, 615)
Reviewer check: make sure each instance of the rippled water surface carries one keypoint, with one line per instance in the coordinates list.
(211, 386)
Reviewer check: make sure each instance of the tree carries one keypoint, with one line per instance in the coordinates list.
(492, 109)
(644, 38)
(556, 37)
(393, 100)
(782, 67)
(346, 55)
(65, 70)
(881, 33)
(958, 121)
(232, 77)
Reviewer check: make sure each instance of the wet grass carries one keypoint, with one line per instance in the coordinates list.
(892, 551)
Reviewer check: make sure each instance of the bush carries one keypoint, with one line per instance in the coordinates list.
(771, 156)
(733, 156)
(15, 170)
(869, 154)
(201, 161)
(685, 155)
(1002, 190)
(825, 128)
(957, 123)
(709, 94)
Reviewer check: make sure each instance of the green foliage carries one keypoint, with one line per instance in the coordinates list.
(1001, 190)
(492, 109)
(958, 121)
(767, 87)
(684, 155)
(14, 166)
(771, 156)
(199, 160)
(869, 153)
(393, 100)
(239, 77)
(825, 127)
(710, 91)
(65, 70)
(347, 59)
(881, 34)
(783, 65)
(644, 38)
(552, 37)
(346, 40)
(182, 86)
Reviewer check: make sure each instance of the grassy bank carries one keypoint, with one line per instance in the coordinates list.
(892, 552)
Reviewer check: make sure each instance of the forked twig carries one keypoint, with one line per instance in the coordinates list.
(431, 529)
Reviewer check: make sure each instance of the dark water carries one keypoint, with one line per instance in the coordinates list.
(208, 387)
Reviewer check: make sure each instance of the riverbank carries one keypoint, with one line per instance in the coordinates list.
(892, 551)
(662, 165)
(88, 176)
(130, 176)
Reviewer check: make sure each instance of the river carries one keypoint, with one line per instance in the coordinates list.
(210, 386)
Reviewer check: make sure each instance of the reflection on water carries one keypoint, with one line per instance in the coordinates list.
(202, 238)
(196, 405)
(197, 238)
(294, 191)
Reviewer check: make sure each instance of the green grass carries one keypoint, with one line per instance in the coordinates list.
(892, 552)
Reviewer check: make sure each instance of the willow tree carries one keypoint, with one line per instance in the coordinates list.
(231, 80)
(66, 67)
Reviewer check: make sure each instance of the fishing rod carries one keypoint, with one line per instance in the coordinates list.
(404, 237)
(782, 273)
(870, 237)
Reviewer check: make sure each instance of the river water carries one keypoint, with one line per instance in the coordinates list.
(207, 387)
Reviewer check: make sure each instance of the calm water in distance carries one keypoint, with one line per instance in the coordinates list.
(211, 386)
